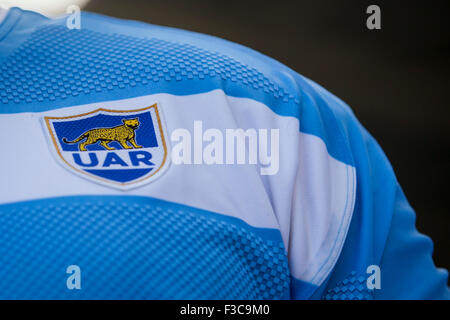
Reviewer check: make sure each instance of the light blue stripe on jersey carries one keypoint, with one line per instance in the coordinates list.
(131, 247)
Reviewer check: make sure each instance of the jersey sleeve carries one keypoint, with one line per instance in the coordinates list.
(383, 256)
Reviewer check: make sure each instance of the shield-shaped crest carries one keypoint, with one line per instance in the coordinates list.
(120, 148)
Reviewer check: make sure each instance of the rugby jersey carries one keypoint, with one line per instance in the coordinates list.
(114, 159)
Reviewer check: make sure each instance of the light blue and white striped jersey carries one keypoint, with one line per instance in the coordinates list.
(115, 158)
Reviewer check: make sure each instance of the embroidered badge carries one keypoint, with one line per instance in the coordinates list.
(120, 148)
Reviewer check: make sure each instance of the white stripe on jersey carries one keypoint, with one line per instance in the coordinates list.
(310, 200)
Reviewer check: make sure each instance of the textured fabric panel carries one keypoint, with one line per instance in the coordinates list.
(135, 248)
(56, 63)
(353, 287)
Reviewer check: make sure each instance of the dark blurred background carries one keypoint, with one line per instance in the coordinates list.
(395, 79)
